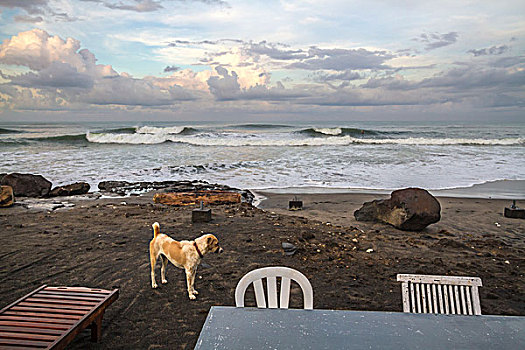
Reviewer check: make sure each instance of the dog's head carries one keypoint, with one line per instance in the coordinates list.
(212, 244)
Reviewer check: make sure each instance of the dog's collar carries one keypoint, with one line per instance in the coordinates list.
(197, 248)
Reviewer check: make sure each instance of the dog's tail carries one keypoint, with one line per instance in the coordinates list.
(156, 229)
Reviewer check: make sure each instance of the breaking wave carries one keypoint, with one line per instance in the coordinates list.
(62, 138)
(316, 132)
(171, 130)
(9, 131)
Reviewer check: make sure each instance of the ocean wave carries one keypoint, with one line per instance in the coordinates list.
(316, 132)
(171, 130)
(62, 138)
(120, 131)
(261, 126)
(9, 131)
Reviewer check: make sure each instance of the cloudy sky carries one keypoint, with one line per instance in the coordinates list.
(262, 60)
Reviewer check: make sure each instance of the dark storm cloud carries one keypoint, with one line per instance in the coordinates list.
(436, 40)
(28, 19)
(33, 7)
(57, 75)
(171, 69)
(493, 50)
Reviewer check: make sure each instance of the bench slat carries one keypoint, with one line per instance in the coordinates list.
(47, 310)
(89, 304)
(52, 295)
(41, 314)
(79, 290)
(34, 343)
(27, 336)
(42, 325)
(56, 306)
(30, 330)
(61, 321)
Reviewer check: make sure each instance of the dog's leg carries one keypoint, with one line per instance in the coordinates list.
(163, 269)
(190, 279)
(153, 260)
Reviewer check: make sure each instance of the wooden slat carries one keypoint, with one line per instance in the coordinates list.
(271, 286)
(27, 336)
(440, 298)
(434, 298)
(452, 300)
(458, 302)
(463, 304)
(41, 325)
(423, 298)
(22, 298)
(447, 300)
(469, 301)
(429, 299)
(68, 297)
(418, 297)
(434, 279)
(406, 296)
(475, 301)
(285, 293)
(56, 306)
(412, 297)
(79, 289)
(259, 293)
(40, 314)
(33, 343)
(6, 347)
(48, 310)
(89, 304)
(97, 296)
(30, 330)
(36, 319)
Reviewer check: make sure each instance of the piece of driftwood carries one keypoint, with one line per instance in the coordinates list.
(51, 317)
(440, 294)
(192, 198)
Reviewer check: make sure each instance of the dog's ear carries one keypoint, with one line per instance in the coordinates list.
(209, 240)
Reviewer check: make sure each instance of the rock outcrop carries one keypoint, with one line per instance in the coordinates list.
(27, 185)
(409, 209)
(7, 197)
(70, 190)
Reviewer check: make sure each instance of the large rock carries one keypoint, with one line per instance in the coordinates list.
(7, 197)
(70, 190)
(27, 185)
(410, 209)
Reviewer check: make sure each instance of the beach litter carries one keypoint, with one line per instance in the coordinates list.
(288, 248)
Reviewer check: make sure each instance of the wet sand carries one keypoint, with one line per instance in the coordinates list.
(104, 243)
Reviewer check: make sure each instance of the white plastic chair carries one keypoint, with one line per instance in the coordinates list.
(440, 294)
(271, 273)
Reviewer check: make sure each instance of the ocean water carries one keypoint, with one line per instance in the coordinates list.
(363, 155)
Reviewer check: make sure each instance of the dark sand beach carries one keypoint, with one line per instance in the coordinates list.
(104, 243)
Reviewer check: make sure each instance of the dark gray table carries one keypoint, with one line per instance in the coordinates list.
(251, 328)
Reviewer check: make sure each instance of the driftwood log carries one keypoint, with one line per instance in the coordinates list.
(192, 198)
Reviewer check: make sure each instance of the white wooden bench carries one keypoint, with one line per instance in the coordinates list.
(440, 294)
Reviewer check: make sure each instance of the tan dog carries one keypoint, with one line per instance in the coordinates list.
(184, 254)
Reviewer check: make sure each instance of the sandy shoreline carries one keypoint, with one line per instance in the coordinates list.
(104, 243)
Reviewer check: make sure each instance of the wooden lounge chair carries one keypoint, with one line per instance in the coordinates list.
(440, 294)
(271, 273)
(51, 317)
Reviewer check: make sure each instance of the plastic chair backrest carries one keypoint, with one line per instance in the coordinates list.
(271, 273)
(440, 294)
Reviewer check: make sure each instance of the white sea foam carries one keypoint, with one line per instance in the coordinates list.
(341, 141)
(329, 131)
(132, 139)
(156, 130)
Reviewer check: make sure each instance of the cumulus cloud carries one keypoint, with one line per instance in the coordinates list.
(436, 40)
(61, 68)
(226, 87)
(493, 50)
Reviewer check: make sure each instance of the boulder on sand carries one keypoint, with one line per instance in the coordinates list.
(7, 197)
(27, 185)
(70, 190)
(409, 209)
